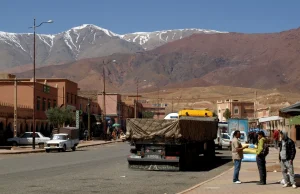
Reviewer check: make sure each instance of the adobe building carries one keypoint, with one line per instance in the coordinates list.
(158, 110)
(291, 114)
(238, 109)
(46, 97)
(50, 92)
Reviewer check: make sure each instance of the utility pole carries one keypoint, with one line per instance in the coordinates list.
(158, 105)
(34, 97)
(33, 116)
(137, 99)
(103, 102)
(255, 106)
(89, 117)
(15, 109)
(172, 104)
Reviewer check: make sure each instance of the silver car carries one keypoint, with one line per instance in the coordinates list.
(226, 140)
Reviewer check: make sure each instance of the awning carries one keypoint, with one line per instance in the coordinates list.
(272, 118)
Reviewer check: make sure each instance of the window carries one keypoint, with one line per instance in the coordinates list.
(38, 103)
(49, 103)
(75, 99)
(54, 103)
(71, 98)
(26, 135)
(236, 110)
(67, 97)
(80, 107)
(44, 104)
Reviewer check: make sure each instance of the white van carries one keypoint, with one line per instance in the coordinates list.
(243, 138)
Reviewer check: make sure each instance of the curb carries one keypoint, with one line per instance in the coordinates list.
(43, 150)
(204, 182)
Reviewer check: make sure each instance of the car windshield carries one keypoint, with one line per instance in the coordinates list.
(242, 136)
(59, 137)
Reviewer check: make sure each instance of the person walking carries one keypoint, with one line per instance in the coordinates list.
(276, 138)
(237, 155)
(261, 158)
(286, 157)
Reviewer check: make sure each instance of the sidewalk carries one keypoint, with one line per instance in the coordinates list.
(82, 144)
(222, 184)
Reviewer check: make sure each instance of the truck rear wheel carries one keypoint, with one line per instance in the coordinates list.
(209, 152)
(74, 148)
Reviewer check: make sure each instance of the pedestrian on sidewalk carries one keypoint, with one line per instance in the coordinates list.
(276, 138)
(286, 157)
(237, 155)
(261, 158)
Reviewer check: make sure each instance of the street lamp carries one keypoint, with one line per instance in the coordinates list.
(33, 116)
(103, 94)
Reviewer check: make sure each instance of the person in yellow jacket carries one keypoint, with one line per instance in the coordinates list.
(261, 158)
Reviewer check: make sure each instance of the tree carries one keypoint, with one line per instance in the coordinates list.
(227, 114)
(148, 115)
(58, 116)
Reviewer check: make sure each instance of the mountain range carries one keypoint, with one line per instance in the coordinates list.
(85, 41)
(265, 61)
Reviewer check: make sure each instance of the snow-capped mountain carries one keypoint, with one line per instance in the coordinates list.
(85, 41)
(151, 40)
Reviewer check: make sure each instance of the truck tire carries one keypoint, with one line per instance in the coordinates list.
(73, 148)
(47, 150)
(209, 153)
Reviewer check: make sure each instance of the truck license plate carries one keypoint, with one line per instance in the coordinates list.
(53, 146)
(153, 156)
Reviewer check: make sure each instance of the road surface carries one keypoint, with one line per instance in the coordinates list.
(99, 169)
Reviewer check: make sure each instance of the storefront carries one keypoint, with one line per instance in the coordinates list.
(292, 115)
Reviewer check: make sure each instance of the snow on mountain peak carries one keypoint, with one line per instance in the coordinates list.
(106, 31)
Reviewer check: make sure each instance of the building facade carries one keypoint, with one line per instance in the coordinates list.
(238, 109)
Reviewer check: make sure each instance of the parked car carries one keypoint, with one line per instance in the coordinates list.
(218, 140)
(67, 139)
(243, 139)
(27, 138)
(226, 140)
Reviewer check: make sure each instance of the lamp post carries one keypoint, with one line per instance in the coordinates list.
(33, 116)
(103, 95)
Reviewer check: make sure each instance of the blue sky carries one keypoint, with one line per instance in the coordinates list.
(124, 16)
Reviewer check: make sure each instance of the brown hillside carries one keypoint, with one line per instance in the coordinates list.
(263, 61)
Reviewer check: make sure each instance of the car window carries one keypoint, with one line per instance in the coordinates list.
(37, 135)
(224, 136)
(26, 135)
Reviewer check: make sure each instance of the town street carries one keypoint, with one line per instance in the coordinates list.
(99, 169)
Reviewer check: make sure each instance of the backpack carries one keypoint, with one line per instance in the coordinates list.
(265, 150)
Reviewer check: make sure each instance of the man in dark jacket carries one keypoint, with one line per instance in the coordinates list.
(286, 157)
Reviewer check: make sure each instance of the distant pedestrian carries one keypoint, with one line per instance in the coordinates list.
(286, 157)
(261, 158)
(276, 138)
(237, 155)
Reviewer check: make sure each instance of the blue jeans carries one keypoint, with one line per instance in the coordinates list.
(237, 167)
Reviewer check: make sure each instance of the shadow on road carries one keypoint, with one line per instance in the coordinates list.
(207, 165)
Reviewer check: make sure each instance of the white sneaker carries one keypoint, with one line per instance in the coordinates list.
(294, 186)
(285, 185)
(237, 182)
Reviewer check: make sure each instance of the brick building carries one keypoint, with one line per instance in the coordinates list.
(237, 108)
(159, 110)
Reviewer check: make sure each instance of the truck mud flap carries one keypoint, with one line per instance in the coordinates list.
(154, 165)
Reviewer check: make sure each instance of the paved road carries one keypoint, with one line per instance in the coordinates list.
(100, 169)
